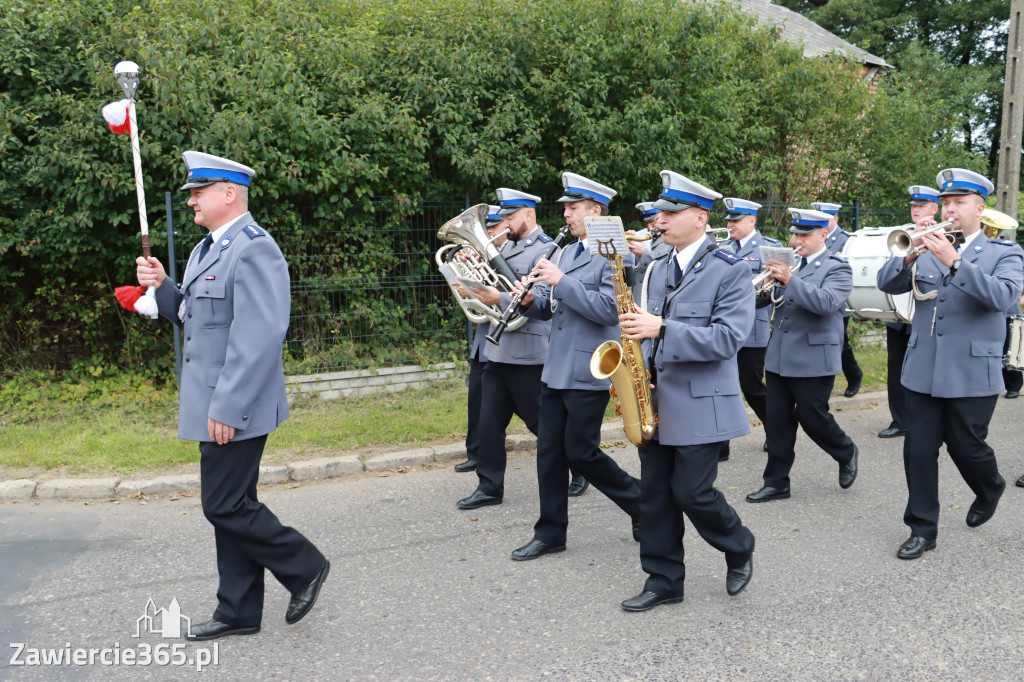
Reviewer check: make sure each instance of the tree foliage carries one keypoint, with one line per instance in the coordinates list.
(958, 47)
(336, 101)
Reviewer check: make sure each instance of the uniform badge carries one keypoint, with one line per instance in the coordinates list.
(529, 241)
(224, 243)
(728, 204)
(817, 263)
(211, 277)
(977, 248)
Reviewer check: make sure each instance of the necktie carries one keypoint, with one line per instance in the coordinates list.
(803, 263)
(677, 273)
(579, 251)
(205, 248)
(735, 245)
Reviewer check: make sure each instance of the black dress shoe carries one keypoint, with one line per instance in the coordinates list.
(767, 494)
(892, 432)
(1010, 395)
(723, 454)
(476, 500)
(636, 530)
(468, 465)
(577, 486)
(534, 549)
(848, 471)
(647, 600)
(737, 579)
(214, 629)
(914, 547)
(1020, 482)
(853, 387)
(980, 512)
(301, 602)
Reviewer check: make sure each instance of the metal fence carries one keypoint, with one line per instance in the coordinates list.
(371, 296)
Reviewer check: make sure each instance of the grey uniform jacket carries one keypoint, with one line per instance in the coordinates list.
(656, 248)
(236, 307)
(527, 345)
(478, 351)
(807, 338)
(751, 255)
(583, 316)
(707, 318)
(835, 243)
(961, 354)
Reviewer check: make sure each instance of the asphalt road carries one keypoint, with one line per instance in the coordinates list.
(420, 590)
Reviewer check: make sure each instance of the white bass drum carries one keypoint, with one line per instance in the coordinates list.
(866, 251)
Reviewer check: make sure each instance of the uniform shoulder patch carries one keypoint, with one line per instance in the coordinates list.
(773, 241)
(254, 231)
(1004, 242)
(545, 239)
(836, 256)
(727, 256)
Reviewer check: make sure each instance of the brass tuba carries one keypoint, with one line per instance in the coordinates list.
(998, 224)
(482, 265)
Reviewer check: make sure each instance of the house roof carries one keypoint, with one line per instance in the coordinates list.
(799, 30)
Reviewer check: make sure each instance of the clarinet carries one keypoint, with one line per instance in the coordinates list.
(495, 336)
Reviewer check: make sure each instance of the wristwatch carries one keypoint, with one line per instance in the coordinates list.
(955, 267)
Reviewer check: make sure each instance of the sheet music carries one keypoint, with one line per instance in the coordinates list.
(605, 236)
(779, 253)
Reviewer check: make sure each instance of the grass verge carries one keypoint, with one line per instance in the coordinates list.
(116, 425)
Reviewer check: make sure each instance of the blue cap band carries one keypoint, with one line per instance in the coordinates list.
(925, 197)
(495, 216)
(522, 203)
(600, 198)
(966, 185)
(830, 211)
(650, 211)
(814, 223)
(737, 209)
(703, 202)
(218, 175)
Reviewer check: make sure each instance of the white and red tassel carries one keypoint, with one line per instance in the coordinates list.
(116, 115)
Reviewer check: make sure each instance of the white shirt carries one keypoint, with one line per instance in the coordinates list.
(219, 232)
(811, 259)
(688, 253)
(744, 240)
(967, 242)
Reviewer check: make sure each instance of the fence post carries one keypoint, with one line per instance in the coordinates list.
(173, 273)
(856, 214)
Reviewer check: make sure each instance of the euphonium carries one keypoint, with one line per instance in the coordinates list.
(996, 223)
(483, 265)
(624, 364)
(901, 241)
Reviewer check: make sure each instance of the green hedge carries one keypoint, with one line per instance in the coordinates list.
(334, 102)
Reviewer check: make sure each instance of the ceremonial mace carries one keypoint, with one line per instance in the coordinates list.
(127, 75)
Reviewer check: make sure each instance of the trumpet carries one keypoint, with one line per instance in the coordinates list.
(717, 234)
(763, 283)
(901, 241)
(651, 234)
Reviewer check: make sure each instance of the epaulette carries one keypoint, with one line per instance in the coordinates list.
(544, 238)
(1004, 242)
(728, 256)
(772, 240)
(664, 255)
(837, 257)
(254, 231)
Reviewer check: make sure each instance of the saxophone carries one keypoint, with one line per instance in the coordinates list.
(624, 365)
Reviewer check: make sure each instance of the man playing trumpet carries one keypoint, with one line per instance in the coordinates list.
(952, 372)
(803, 355)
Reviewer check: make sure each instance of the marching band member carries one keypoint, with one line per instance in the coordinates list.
(581, 306)
(803, 355)
(746, 241)
(646, 251)
(234, 305)
(952, 371)
(837, 238)
(701, 311)
(477, 359)
(511, 377)
(924, 203)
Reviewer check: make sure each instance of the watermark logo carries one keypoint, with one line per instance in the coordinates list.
(166, 622)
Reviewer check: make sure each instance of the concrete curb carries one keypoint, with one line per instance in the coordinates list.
(22, 490)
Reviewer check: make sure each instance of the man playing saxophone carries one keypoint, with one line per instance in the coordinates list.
(701, 310)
